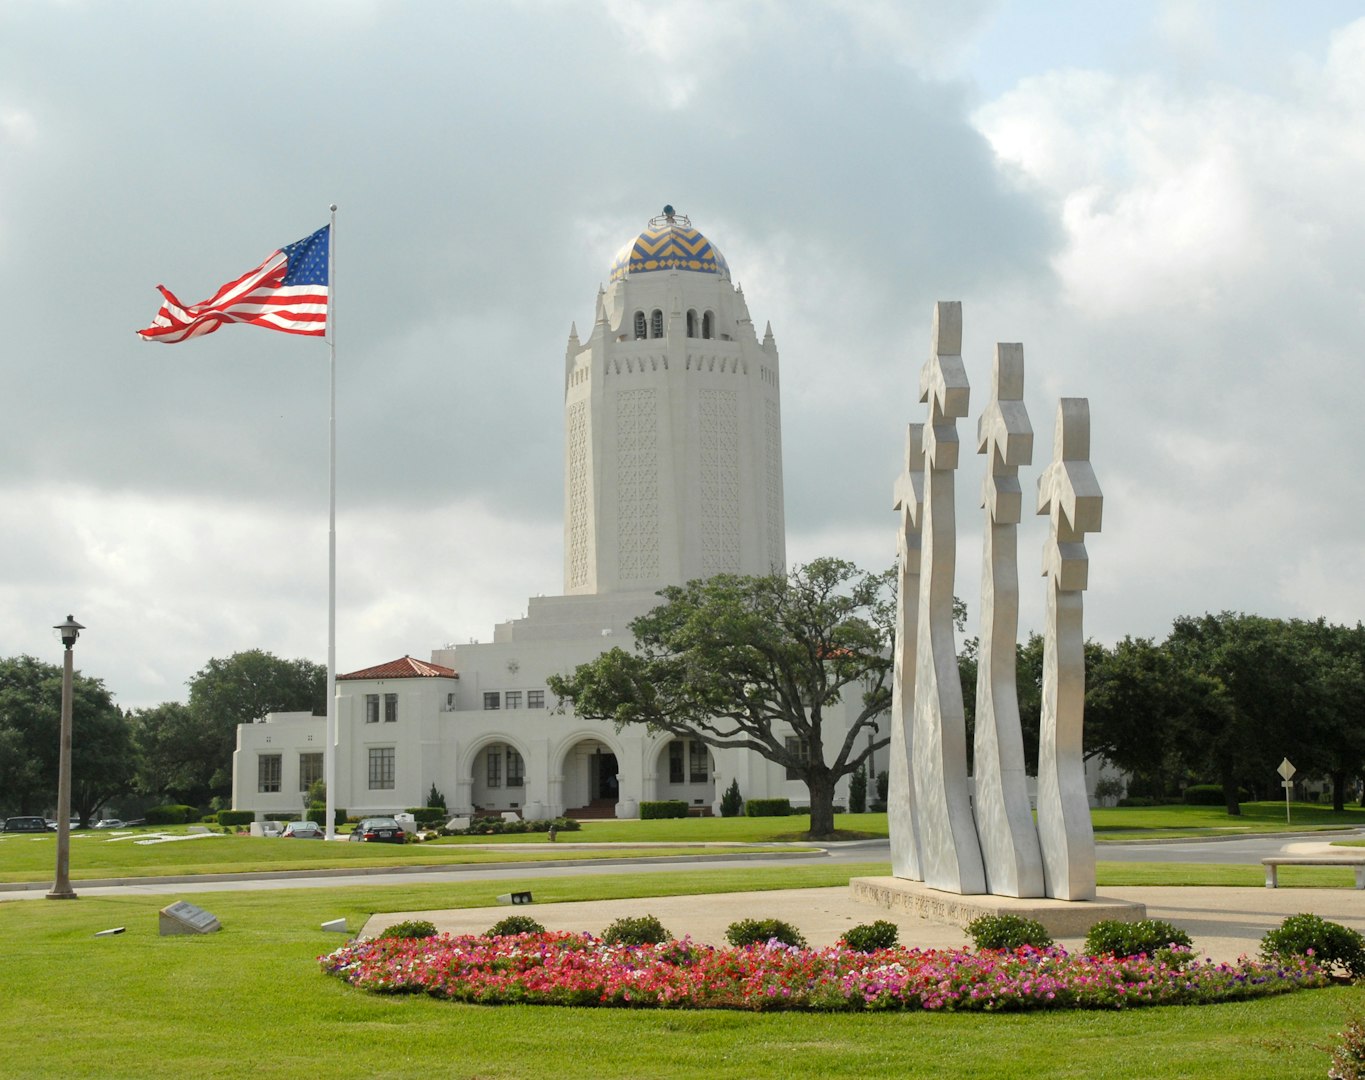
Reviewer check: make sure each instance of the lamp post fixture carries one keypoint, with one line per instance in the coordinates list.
(69, 631)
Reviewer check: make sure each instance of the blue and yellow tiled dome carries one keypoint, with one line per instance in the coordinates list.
(669, 243)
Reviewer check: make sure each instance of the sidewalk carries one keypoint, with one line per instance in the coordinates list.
(1223, 923)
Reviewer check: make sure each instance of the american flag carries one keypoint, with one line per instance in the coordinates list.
(287, 292)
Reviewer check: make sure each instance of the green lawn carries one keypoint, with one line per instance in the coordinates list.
(95, 855)
(34, 858)
(1148, 822)
(250, 1000)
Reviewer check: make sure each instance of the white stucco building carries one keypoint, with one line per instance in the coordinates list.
(672, 471)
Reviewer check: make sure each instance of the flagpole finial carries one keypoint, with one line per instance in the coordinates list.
(334, 208)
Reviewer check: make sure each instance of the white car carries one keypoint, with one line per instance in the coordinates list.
(109, 823)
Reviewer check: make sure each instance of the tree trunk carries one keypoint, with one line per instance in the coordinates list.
(1230, 792)
(1338, 791)
(820, 784)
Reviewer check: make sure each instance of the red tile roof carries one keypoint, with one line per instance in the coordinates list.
(406, 668)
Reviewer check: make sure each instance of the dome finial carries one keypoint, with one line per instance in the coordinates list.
(669, 213)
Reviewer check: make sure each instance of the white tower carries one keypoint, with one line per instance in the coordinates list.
(673, 427)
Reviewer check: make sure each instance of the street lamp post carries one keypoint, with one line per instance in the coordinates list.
(61, 888)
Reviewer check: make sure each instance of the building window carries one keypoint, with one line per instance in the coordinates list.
(493, 758)
(492, 700)
(516, 768)
(390, 708)
(381, 768)
(656, 324)
(698, 762)
(799, 748)
(268, 772)
(708, 325)
(675, 762)
(692, 323)
(512, 699)
(639, 325)
(371, 708)
(535, 699)
(310, 770)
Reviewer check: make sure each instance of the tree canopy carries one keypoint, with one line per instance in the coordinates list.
(102, 754)
(757, 663)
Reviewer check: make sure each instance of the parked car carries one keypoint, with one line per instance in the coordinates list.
(303, 830)
(25, 824)
(381, 829)
(109, 823)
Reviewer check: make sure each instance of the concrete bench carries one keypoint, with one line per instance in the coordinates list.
(1272, 866)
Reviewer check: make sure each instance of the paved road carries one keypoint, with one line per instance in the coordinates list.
(1244, 850)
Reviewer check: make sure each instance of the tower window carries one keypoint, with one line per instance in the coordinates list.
(656, 321)
(692, 323)
(639, 325)
(708, 325)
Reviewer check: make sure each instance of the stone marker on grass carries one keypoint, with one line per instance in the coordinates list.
(183, 917)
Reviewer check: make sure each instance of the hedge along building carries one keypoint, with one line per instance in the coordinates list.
(672, 471)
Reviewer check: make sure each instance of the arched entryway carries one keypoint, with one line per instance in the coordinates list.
(592, 779)
(685, 770)
(498, 777)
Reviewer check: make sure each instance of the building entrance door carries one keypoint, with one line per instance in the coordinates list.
(602, 776)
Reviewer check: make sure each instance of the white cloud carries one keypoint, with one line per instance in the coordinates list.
(164, 583)
(1181, 200)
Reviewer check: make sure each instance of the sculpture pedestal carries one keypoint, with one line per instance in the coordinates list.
(1061, 918)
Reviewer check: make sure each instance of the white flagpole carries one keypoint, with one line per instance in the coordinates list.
(330, 750)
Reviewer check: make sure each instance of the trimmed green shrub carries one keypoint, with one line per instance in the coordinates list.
(869, 937)
(1139, 800)
(318, 815)
(732, 802)
(171, 814)
(637, 930)
(497, 827)
(1331, 944)
(1211, 795)
(236, 817)
(209, 819)
(761, 931)
(857, 791)
(768, 808)
(514, 924)
(667, 808)
(1110, 937)
(427, 815)
(435, 798)
(410, 928)
(1007, 932)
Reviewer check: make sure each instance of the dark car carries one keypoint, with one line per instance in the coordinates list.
(304, 830)
(382, 829)
(25, 824)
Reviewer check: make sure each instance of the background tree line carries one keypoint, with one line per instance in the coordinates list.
(173, 752)
(1223, 699)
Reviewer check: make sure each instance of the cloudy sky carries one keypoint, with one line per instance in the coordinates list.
(1162, 201)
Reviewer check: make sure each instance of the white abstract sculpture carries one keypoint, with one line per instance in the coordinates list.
(950, 856)
(937, 835)
(1004, 820)
(1069, 492)
(900, 795)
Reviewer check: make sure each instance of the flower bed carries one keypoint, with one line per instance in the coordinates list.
(577, 969)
